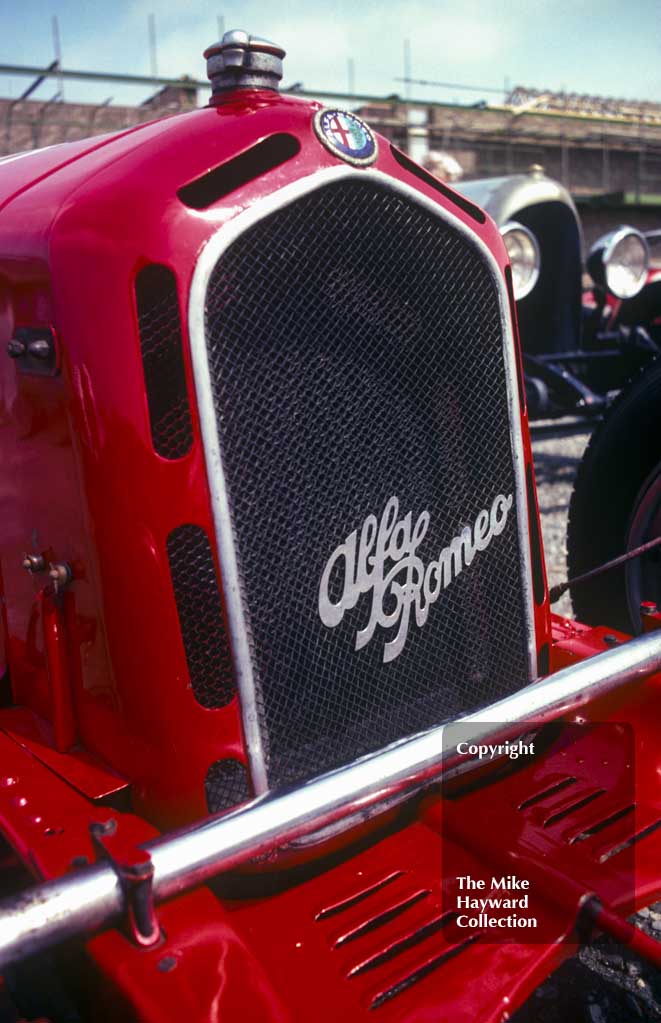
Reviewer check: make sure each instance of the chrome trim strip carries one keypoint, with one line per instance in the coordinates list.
(236, 611)
(508, 228)
(92, 896)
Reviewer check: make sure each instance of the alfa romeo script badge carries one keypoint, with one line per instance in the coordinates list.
(346, 136)
(381, 559)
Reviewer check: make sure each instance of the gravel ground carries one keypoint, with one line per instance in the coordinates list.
(604, 983)
(557, 451)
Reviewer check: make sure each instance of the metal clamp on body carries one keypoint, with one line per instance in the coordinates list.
(135, 870)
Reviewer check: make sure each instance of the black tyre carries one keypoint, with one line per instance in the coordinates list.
(616, 505)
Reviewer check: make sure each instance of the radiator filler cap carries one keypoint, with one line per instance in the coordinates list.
(242, 61)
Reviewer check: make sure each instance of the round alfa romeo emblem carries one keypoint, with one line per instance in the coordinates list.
(346, 136)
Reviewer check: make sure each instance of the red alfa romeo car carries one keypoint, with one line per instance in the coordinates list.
(288, 731)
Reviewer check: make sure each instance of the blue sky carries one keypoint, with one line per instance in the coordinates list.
(605, 48)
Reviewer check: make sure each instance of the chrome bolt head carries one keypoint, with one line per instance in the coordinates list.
(34, 563)
(60, 575)
(40, 349)
(15, 348)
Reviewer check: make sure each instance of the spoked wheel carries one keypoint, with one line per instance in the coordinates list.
(616, 506)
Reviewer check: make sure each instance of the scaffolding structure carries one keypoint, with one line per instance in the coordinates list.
(522, 98)
(592, 144)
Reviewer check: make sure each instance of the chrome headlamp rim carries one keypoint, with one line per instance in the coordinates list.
(614, 240)
(509, 228)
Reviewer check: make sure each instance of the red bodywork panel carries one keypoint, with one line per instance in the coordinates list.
(296, 941)
(84, 484)
(100, 678)
(370, 932)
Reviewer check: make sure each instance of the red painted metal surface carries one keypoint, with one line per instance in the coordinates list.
(85, 485)
(23, 171)
(45, 820)
(55, 644)
(367, 936)
(650, 616)
(84, 772)
(372, 932)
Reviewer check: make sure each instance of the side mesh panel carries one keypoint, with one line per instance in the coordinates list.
(159, 323)
(356, 354)
(200, 616)
(226, 785)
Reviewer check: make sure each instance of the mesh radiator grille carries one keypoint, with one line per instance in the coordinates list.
(355, 351)
(226, 785)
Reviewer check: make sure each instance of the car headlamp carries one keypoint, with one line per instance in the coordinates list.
(523, 252)
(619, 261)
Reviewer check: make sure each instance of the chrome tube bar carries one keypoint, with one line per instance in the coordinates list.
(92, 897)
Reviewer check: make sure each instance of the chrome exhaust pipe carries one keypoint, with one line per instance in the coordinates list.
(93, 897)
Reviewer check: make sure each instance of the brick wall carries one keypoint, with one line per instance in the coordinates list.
(31, 124)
